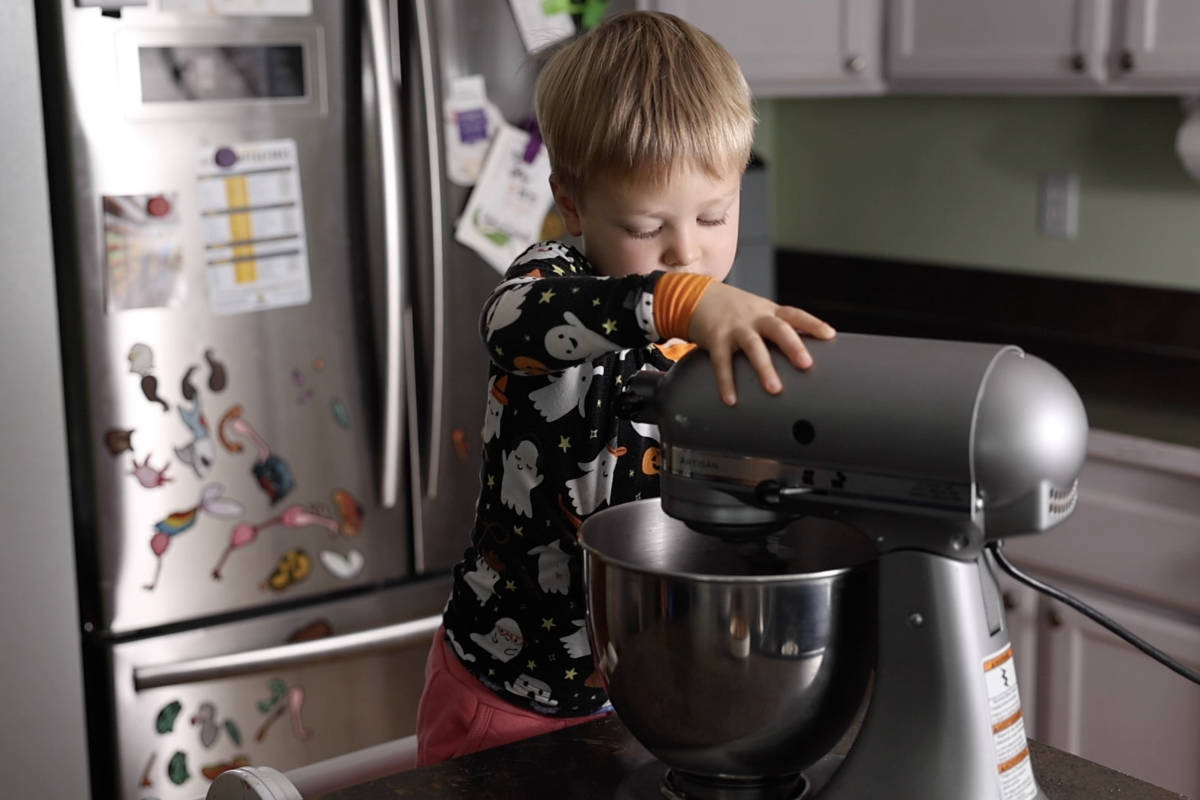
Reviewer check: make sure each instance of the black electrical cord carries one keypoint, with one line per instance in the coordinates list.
(1094, 615)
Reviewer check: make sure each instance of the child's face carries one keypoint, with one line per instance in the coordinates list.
(690, 224)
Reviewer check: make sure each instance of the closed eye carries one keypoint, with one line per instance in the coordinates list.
(713, 222)
(644, 234)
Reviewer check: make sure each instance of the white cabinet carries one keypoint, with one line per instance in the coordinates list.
(1131, 550)
(786, 48)
(1104, 700)
(967, 44)
(1159, 46)
(1044, 46)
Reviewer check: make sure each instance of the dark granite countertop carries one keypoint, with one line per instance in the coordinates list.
(601, 761)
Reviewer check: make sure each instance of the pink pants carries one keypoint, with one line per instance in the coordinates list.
(459, 715)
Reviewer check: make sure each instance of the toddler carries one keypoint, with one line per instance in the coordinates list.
(648, 124)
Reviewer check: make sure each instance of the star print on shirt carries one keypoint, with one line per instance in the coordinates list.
(547, 623)
(564, 442)
(512, 586)
(519, 530)
(595, 301)
(546, 295)
(610, 325)
(531, 664)
(571, 673)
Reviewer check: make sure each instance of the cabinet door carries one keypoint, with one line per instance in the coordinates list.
(1021, 619)
(1107, 702)
(984, 44)
(788, 48)
(1160, 45)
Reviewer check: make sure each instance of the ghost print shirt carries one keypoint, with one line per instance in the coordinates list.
(563, 340)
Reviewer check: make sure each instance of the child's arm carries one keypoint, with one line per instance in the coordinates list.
(727, 319)
(553, 313)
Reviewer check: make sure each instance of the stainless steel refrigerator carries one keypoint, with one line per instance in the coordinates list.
(270, 351)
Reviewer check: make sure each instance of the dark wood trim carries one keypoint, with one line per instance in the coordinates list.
(1133, 352)
(1111, 316)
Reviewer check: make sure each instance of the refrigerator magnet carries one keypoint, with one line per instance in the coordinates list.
(252, 215)
(141, 363)
(504, 213)
(212, 501)
(143, 252)
(273, 474)
(471, 123)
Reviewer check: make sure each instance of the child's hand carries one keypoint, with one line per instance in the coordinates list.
(728, 319)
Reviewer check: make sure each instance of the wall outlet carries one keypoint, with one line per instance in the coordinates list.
(1059, 212)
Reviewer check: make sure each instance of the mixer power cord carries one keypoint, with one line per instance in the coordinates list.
(1094, 615)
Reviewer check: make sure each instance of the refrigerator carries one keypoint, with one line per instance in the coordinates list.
(274, 382)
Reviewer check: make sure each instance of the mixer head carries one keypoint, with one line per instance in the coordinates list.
(944, 444)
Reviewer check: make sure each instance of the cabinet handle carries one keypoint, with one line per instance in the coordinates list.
(1078, 62)
(856, 63)
(1054, 619)
(1126, 61)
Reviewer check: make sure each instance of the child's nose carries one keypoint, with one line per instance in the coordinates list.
(682, 250)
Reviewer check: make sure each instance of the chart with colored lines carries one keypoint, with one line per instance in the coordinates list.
(252, 215)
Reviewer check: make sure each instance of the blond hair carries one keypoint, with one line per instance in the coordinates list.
(640, 95)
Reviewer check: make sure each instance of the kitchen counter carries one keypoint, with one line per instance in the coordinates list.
(602, 760)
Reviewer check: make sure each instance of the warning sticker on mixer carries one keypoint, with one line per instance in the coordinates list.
(1008, 727)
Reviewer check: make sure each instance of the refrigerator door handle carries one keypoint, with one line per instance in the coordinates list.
(433, 132)
(389, 155)
(386, 637)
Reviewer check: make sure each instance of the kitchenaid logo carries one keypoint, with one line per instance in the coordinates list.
(693, 462)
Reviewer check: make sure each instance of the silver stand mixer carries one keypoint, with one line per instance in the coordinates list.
(898, 463)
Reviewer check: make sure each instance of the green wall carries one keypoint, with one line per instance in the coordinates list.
(955, 180)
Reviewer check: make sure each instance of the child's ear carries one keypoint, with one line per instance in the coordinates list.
(567, 206)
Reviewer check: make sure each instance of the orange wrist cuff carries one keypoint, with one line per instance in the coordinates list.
(675, 297)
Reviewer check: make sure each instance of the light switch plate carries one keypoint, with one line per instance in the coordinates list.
(1059, 211)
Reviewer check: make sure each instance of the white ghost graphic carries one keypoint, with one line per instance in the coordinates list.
(505, 307)
(529, 686)
(646, 429)
(574, 341)
(546, 251)
(595, 484)
(577, 644)
(566, 391)
(645, 316)
(458, 648)
(520, 477)
(504, 641)
(554, 573)
(496, 401)
(482, 580)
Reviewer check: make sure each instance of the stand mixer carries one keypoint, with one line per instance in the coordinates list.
(865, 498)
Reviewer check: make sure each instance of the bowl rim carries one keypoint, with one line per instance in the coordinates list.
(787, 577)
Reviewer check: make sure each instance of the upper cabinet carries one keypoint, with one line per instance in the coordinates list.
(1158, 46)
(848, 47)
(1013, 44)
(814, 47)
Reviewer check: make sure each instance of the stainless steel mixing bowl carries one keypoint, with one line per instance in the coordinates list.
(736, 660)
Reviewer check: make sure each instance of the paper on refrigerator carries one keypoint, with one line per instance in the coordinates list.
(505, 211)
(542, 22)
(471, 121)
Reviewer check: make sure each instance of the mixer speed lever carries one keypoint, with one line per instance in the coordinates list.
(774, 493)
